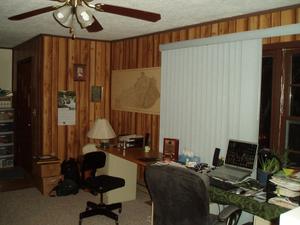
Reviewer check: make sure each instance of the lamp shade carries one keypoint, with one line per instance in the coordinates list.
(64, 15)
(84, 16)
(101, 130)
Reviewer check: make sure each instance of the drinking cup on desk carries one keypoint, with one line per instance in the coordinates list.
(147, 148)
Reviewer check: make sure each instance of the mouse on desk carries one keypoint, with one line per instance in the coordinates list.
(200, 166)
(239, 191)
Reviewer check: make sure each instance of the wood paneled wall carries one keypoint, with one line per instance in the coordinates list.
(144, 52)
(53, 62)
(59, 56)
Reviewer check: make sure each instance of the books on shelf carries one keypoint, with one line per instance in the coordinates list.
(5, 102)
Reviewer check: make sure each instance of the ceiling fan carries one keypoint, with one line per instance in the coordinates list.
(80, 10)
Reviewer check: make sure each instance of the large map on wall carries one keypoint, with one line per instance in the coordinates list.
(136, 90)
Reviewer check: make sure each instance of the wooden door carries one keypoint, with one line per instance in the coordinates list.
(23, 129)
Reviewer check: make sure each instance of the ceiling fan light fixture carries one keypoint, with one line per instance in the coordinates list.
(84, 16)
(63, 15)
(72, 11)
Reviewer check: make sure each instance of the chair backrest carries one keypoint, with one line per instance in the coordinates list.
(89, 148)
(179, 195)
(92, 161)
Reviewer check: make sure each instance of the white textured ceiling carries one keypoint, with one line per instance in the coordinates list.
(174, 13)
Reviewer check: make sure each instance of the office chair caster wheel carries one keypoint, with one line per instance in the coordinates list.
(120, 210)
(117, 222)
(79, 222)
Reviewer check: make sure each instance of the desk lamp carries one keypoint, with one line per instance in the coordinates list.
(102, 130)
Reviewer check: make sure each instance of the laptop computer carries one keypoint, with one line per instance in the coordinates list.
(239, 161)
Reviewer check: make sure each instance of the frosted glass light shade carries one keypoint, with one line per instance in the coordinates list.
(64, 16)
(101, 130)
(84, 16)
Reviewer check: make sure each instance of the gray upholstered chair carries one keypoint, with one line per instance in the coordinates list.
(180, 197)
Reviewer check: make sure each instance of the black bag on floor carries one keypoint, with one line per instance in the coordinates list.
(66, 187)
(70, 170)
(71, 179)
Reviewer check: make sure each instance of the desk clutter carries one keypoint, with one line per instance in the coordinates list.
(283, 191)
(248, 187)
(287, 189)
(131, 141)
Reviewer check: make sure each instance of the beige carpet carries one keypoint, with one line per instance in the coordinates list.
(29, 207)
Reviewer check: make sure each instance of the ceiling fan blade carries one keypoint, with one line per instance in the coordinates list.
(95, 27)
(32, 13)
(135, 13)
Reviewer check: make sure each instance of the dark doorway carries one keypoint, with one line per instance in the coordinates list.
(265, 102)
(23, 130)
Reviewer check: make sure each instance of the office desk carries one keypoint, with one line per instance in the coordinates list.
(124, 164)
(248, 204)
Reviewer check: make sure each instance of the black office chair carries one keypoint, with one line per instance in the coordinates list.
(180, 197)
(99, 185)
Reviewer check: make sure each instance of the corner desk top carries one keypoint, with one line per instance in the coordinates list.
(262, 209)
(135, 155)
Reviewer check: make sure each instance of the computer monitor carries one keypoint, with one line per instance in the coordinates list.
(241, 154)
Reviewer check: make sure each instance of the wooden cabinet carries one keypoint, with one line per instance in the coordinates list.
(46, 174)
(6, 133)
(46, 184)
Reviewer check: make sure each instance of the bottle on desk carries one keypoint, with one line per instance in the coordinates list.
(147, 142)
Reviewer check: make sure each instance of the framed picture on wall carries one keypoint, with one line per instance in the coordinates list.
(96, 93)
(79, 72)
(170, 149)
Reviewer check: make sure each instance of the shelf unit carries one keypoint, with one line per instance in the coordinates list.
(6, 133)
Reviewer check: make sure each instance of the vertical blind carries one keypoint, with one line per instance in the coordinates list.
(210, 94)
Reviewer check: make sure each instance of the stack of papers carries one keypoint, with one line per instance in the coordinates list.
(283, 202)
(290, 182)
(287, 190)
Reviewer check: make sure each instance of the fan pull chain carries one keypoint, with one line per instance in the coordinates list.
(72, 29)
(72, 33)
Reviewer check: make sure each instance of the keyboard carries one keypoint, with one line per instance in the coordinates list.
(229, 174)
(221, 184)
